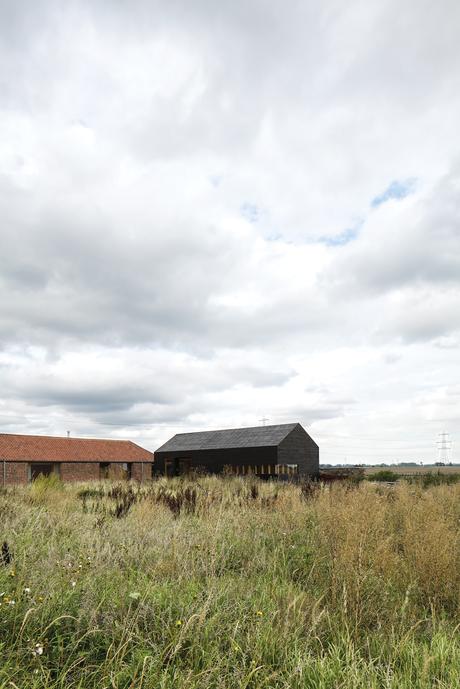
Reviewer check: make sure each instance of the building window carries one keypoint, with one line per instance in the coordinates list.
(127, 470)
(37, 469)
(104, 468)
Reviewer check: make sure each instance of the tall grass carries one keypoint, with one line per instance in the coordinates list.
(230, 583)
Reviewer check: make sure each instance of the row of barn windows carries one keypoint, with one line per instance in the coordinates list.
(174, 467)
(37, 469)
(264, 469)
(124, 469)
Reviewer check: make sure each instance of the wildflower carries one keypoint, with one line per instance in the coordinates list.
(11, 602)
(178, 623)
(40, 598)
(135, 595)
(12, 573)
(73, 584)
(37, 649)
(259, 613)
(27, 590)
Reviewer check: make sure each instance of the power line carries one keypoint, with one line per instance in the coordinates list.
(444, 445)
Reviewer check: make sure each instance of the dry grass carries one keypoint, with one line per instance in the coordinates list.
(231, 583)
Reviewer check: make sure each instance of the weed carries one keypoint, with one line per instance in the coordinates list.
(231, 582)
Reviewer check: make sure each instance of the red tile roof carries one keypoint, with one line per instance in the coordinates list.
(39, 448)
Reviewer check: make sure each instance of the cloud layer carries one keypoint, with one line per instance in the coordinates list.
(212, 213)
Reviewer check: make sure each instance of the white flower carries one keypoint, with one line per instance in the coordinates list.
(37, 649)
(73, 584)
(27, 589)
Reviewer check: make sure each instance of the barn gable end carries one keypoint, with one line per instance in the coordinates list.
(300, 449)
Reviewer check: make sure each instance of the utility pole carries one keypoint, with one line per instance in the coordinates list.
(444, 445)
(264, 420)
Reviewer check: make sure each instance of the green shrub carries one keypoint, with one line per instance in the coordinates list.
(429, 479)
(43, 486)
(384, 475)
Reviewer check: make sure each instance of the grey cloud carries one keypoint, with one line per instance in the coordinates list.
(117, 120)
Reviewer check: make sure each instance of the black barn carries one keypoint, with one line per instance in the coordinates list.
(266, 451)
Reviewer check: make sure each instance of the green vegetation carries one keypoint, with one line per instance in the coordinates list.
(385, 475)
(434, 479)
(424, 479)
(230, 583)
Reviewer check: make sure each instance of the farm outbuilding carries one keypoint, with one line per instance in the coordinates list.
(24, 457)
(265, 451)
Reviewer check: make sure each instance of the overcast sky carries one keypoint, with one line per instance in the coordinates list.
(215, 212)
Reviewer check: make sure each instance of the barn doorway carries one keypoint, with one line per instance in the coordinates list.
(170, 468)
(42, 469)
(185, 466)
(178, 466)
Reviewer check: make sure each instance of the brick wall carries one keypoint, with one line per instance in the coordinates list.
(18, 472)
(80, 471)
(141, 474)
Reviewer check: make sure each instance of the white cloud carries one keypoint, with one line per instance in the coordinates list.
(189, 237)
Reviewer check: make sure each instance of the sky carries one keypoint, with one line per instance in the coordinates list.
(214, 213)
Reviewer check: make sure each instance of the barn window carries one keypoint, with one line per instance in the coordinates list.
(127, 469)
(104, 468)
(37, 469)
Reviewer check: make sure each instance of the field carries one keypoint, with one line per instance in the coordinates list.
(409, 471)
(230, 583)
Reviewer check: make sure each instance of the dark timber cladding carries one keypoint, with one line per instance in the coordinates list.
(262, 450)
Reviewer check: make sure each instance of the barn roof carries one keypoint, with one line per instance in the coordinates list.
(41, 448)
(257, 436)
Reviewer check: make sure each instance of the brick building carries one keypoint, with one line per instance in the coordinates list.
(24, 457)
(265, 451)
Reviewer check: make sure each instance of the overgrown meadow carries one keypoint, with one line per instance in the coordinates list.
(230, 583)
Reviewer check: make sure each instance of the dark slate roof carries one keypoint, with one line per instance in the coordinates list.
(258, 436)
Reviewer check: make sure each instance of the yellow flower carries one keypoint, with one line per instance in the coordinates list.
(178, 623)
(259, 613)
